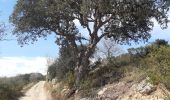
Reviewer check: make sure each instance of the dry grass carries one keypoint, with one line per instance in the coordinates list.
(132, 73)
(54, 91)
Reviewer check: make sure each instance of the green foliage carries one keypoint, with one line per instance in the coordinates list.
(122, 20)
(35, 19)
(51, 72)
(102, 74)
(160, 42)
(70, 79)
(159, 64)
(151, 60)
(8, 92)
(10, 88)
(65, 63)
(156, 62)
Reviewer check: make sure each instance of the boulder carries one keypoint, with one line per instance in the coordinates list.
(145, 88)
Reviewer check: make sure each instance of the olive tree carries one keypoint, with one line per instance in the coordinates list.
(122, 20)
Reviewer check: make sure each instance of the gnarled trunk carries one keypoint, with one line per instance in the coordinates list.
(82, 66)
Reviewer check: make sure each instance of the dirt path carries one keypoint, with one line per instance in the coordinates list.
(37, 92)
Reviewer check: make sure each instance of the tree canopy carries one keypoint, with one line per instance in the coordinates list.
(121, 20)
(124, 20)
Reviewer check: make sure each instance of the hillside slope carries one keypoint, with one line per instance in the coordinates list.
(133, 91)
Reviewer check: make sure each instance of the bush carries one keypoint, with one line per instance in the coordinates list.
(70, 79)
(51, 72)
(8, 92)
(10, 88)
(156, 63)
(159, 64)
(65, 63)
(160, 42)
(153, 60)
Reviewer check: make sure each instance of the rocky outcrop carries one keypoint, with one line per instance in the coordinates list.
(122, 90)
(142, 90)
(113, 91)
(145, 87)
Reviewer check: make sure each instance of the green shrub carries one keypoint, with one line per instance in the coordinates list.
(8, 92)
(160, 42)
(10, 88)
(157, 64)
(51, 71)
(153, 61)
(70, 79)
(65, 63)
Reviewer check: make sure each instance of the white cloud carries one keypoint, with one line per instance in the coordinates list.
(11, 66)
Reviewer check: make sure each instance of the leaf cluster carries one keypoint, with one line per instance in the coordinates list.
(123, 20)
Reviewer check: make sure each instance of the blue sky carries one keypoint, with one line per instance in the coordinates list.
(32, 58)
(11, 48)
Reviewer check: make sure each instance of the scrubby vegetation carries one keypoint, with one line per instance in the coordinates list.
(150, 61)
(80, 25)
(10, 87)
(157, 63)
(67, 59)
(86, 22)
(153, 61)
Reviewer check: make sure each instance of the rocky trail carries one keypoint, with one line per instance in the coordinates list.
(37, 92)
(122, 90)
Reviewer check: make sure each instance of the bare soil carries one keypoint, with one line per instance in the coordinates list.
(37, 92)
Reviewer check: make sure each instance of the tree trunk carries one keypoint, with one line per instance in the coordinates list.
(82, 66)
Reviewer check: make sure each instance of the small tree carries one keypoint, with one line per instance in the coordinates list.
(160, 42)
(123, 20)
(65, 63)
(108, 48)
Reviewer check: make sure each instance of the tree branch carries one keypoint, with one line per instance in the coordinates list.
(88, 28)
(7, 39)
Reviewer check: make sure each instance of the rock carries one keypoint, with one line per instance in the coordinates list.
(101, 92)
(145, 87)
(54, 81)
(125, 90)
(112, 91)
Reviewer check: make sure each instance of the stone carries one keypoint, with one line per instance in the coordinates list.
(145, 87)
(54, 81)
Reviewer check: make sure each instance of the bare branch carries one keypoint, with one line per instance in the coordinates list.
(7, 39)
(89, 30)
